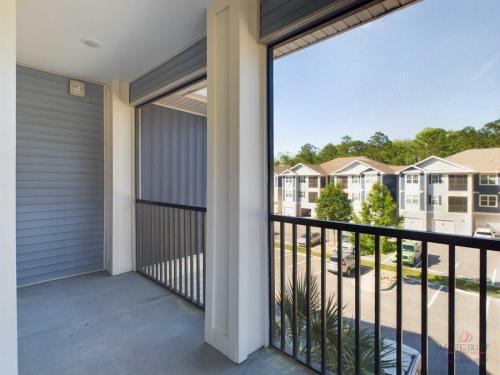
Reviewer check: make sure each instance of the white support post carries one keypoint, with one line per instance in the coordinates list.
(119, 135)
(236, 318)
(8, 303)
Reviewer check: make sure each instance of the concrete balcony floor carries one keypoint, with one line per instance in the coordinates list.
(97, 324)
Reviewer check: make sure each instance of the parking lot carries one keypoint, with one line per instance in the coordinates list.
(467, 304)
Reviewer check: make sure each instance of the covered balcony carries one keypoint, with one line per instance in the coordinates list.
(137, 231)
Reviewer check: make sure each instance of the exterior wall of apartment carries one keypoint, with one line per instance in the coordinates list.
(486, 217)
(412, 211)
(391, 182)
(430, 215)
(290, 190)
(278, 195)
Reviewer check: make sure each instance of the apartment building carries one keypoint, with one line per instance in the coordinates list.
(452, 195)
(278, 188)
(302, 184)
(359, 174)
(486, 185)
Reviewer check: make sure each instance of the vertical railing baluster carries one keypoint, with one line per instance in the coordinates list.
(399, 308)
(357, 305)
(282, 285)
(191, 242)
(451, 310)
(340, 304)
(170, 249)
(308, 295)
(377, 305)
(204, 257)
(163, 245)
(186, 245)
(197, 229)
(483, 301)
(323, 301)
(294, 291)
(423, 305)
(176, 248)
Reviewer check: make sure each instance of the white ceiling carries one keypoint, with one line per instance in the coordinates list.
(136, 35)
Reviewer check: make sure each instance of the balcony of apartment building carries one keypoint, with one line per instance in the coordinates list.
(137, 166)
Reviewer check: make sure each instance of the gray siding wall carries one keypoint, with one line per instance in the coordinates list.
(190, 62)
(60, 178)
(279, 14)
(391, 182)
(173, 156)
(485, 189)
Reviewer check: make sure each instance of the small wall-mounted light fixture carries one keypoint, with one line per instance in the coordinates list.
(91, 42)
(77, 88)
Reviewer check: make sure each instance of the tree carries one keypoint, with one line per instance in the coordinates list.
(379, 209)
(334, 204)
(332, 312)
(307, 154)
(328, 152)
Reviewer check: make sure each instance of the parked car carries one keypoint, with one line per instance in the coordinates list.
(484, 233)
(411, 359)
(411, 251)
(348, 262)
(315, 239)
(348, 242)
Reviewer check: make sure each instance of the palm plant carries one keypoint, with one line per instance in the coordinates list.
(367, 337)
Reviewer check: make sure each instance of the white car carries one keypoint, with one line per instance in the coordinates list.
(348, 262)
(315, 239)
(412, 360)
(484, 233)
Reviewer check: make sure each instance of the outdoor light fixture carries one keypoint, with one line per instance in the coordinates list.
(91, 43)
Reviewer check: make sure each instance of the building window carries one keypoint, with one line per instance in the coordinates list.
(370, 178)
(488, 179)
(313, 182)
(457, 204)
(355, 197)
(342, 181)
(435, 200)
(289, 180)
(412, 178)
(435, 179)
(488, 201)
(457, 182)
(288, 194)
(313, 196)
(412, 199)
(302, 194)
(355, 179)
(302, 179)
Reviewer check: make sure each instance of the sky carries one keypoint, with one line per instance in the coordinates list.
(433, 64)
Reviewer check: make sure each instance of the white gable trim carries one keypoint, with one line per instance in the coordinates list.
(313, 172)
(466, 169)
(339, 171)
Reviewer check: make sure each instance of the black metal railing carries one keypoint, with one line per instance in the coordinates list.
(311, 326)
(171, 247)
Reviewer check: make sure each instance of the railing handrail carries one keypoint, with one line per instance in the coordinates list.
(172, 205)
(407, 234)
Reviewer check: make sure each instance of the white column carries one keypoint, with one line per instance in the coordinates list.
(119, 141)
(236, 317)
(8, 310)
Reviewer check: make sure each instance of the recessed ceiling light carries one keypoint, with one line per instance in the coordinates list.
(91, 43)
